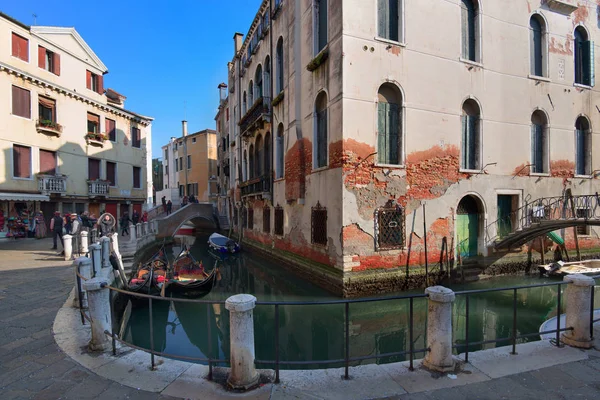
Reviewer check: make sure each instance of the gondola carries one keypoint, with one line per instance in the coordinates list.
(188, 278)
(149, 277)
(223, 244)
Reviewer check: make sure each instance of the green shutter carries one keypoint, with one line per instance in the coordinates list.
(322, 21)
(473, 141)
(393, 133)
(393, 19)
(465, 144)
(592, 64)
(464, 23)
(382, 18)
(382, 133)
(322, 139)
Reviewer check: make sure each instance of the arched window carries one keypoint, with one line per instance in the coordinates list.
(279, 68)
(267, 81)
(258, 88)
(389, 19)
(245, 167)
(389, 125)
(471, 135)
(320, 135)
(250, 95)
(583, 147)
(267, 155)
(470, 29)
(279, 158)
(584, 58)
(539, 142)
(244, 104)
(251, 163)
(537, 45)
(320, 24)
(259, 157)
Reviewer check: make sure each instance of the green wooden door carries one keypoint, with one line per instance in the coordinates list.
(467, 231)
(504, 215)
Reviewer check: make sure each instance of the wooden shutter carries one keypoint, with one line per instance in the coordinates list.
(47, 162)
(21, 102)
(473, 141)
(537, 148)
(15, 45)
(393, 133)
(279, 156)
(588, 64)
(382, 152)
(536, 48)
(136, 177)
(110, 127)
(468, 29)
(93, 169)
(41, 57)
(464, 26)
(111, 173)
(465, 141)
(56, 65)
(88, 79)
(100, 85)
(383, 15)
(20, 47)
(21, 161)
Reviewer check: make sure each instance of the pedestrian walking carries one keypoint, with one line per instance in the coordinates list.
(169, 207)
(135, 217)
(145, 216)
(164, 203)
(56, 226)
(124, 222)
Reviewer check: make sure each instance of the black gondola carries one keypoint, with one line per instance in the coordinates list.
(149, 277)
(187, 276)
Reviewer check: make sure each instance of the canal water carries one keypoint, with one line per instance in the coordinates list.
(313, 333)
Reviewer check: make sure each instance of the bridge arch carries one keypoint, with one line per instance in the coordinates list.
(201, 215)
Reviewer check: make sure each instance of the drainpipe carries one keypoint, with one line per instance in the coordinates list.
(271, 163)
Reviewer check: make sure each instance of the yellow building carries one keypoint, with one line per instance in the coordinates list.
(66, 143)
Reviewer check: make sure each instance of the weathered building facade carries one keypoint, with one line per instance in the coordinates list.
(349, 117)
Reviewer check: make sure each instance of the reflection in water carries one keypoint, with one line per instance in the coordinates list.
(313, 333)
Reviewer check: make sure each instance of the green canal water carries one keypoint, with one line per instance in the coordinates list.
(317, 332)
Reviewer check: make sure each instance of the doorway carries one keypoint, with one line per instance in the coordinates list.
(507, 206)
(111, 208)
(48, 208)
(468, 219)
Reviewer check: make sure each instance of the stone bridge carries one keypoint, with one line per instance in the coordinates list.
(201, 215)
(542, 216)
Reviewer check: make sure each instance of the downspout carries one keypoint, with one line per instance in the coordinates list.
(271, 163)
(239, 141)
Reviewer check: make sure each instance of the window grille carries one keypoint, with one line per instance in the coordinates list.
(319, 225)
(389, 227)
(251, 218)
(279, 221)
(267, 219)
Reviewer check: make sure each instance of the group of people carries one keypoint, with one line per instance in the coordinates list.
(185, 200)
(67, 224)
(134, 219)
(167, 205)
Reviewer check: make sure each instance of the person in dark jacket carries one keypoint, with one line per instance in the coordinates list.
(106, 225)
(56, 226)
(124, 222)
(67, 224)
(135, 217)
(169, 207)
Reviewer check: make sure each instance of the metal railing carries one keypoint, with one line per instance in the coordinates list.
(258, 185)
(347, 359)
(259, 111)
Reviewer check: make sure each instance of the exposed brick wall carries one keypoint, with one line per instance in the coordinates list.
(298, 163)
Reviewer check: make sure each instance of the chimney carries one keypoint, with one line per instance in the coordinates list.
(184, 128)
(237, 42)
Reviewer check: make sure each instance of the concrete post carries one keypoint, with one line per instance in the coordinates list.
(243, 372)
(132, 233)
(99, 308)
(105, 243)
(84, 266)
(95, 251)
(138, 230)
(579, 307)
(439, 329)
(68, 246)
(84, 242)
(145, 228)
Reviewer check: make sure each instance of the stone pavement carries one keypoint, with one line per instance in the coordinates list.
(34, 284)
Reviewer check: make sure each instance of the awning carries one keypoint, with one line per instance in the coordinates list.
(23, 197)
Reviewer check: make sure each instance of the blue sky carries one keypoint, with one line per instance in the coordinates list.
(167, 57)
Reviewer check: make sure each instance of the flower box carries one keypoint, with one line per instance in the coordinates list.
(49, 127)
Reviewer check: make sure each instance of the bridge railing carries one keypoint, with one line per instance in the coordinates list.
(540, 211)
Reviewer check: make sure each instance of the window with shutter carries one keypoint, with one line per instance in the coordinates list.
(93, 169)
(536, 45)
(137, 177)
(21, 102)
(21, 161)
(582, 147)
(389, 17)
(93, 123)
(279, 71)
(279, 144)
(47, 109)
(469, 29)
(471, 136)
(322, 139)
(136, 140)
(111, 173)
(584, 58)
(20, 47)
(47, 162)
(321, 24)
(389, 129)
(111, 129)
(539, 142)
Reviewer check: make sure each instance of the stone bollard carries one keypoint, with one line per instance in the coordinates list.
(138, 230)
(95, 251)
(243, 372)
(579, 307)
(145, 228)
(99, 309)
(84, 266)
(84, 242)
(439, 329)
(68, 246)
(105, 244)
(132, 233)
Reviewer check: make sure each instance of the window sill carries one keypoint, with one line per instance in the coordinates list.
(395, 166)
(539, 78)
(22, 179)
(582, 86)
(320, 169)
(18, 116)
(18, 58)
(389, 41)
(470, 62)
(540, 174)
(278, 180)
(319, 59)
(470, 171)
(584, 177)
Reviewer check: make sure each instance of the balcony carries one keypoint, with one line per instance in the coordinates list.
(49, 127)
(52, 184)
(98, 187)
(95, 139)
(257, 115)
(257, 186)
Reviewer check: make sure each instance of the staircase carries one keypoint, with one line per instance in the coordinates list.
(469, 271)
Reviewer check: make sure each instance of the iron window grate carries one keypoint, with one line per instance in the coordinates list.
(389, 228)
(319, 225)
(279, 221)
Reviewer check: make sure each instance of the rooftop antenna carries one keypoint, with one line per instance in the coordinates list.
(34, 18)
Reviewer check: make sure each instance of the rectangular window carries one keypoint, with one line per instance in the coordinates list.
(21, 102)
(111, 173)
(389, 228)
(21, 161)
(322, 138)
(583, 213)
(93, 123)
(137, 177)
(20, 47)
(470, 142)
(111, 129)
(267, 219)
(193, 140)
(279, 221)
(47, 110)
(251, 218)
(389, 19)
(136, 138)
(469, 30)
(93, 169)
(166, 155)
(319, 225)
(321, 25)
(48, 60)
(176, 166)
(181, 163)
(189, 162)
(538, 149)
(388, 131)
(95, 82)
(47, 162)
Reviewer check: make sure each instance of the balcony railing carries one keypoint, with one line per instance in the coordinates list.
(48, 127)
(98, 187)
(52, 184)
(256, 186)
(259, 113)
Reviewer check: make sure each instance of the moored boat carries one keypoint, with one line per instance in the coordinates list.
(223, 244)
(560, 268)
(149, 277)
(187, 276)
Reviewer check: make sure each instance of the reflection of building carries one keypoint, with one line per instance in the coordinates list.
(341, 131)
(67, 143)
